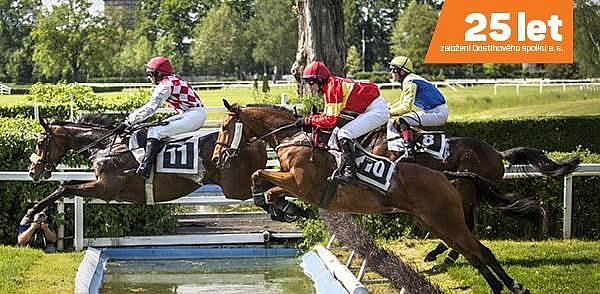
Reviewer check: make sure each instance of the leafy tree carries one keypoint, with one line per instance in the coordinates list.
(175, 23)
(274, 31)
(412, 33)
(70, 42)
(16, 22)
(371, 21)
(353, 61)
(218, 40)
(587, 36)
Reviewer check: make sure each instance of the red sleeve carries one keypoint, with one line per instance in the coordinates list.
(322, 121)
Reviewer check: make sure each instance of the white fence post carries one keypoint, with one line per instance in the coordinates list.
(60, 207)
(495, 89)
(567, 206)
(78, 242)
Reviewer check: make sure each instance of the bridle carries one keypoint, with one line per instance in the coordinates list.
(36, 159)
(231, 151)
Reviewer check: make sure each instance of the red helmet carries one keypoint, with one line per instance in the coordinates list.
(160, 64)
(316, 70)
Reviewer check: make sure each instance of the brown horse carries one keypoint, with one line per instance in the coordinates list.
(477, 156)
(425, 193)
(110, 162)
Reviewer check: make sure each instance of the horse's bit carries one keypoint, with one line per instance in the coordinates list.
(36, 159)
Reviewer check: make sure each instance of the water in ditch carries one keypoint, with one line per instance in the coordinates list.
(232, 276)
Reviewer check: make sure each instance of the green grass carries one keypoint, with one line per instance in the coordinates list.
(26, 270)
(544, 267)
(471, 103)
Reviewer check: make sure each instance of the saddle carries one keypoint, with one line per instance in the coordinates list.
(177, 155)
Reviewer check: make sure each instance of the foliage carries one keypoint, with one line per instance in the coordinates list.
(412, 33)
(218, 39)
(353, 62)
(70, 42)
(273, 30)
(501, 70)
(314, 232)
(586, 36)
(373, 76)
(16, 22)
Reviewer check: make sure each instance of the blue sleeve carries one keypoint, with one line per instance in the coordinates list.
(22, 228)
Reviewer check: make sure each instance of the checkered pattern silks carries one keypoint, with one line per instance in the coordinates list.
(183, 96)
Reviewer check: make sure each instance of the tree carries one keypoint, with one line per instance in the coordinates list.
(370, 23)
(320, 36)
(218, 42)
(273, 30)
(353, 62)
(587, 36)
(16, 22)
(71, 42)
(412, 33)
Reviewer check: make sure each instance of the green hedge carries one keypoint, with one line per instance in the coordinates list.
(17, 140)
(552, 134)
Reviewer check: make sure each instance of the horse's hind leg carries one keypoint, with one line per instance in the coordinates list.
(283, 210)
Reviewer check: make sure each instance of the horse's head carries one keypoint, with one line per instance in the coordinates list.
(231, 137)
(49, 150)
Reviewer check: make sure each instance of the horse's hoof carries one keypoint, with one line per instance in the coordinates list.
(439, 268)
(519, 289)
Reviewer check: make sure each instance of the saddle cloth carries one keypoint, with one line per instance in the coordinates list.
(434, 143)
(180, 156)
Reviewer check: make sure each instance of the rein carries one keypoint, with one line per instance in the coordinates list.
(273, 132)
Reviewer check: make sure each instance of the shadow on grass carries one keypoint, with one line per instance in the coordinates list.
(535, 262)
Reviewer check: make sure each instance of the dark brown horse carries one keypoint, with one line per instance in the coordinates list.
(475, 155)
(110, 162)
(425, 193)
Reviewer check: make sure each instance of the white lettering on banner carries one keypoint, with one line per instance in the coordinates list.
(532, 30)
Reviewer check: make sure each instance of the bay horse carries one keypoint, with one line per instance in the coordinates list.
(477, 156)
(425, 193)
(110, 162)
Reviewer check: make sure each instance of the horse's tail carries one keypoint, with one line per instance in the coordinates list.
(524, 208)
(539, 161)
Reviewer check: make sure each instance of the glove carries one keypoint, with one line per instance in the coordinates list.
(300, 122)
(121, 128)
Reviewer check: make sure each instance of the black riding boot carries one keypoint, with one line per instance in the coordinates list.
(152, 148)
(347, 170)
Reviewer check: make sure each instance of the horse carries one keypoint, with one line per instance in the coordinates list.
(425, 193)
(111, 163)
(477, 156)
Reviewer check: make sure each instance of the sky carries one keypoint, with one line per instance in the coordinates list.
(97, 5)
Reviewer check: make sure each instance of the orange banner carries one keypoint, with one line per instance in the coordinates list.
(507, 31)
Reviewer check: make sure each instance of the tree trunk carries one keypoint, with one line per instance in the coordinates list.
(320, 36)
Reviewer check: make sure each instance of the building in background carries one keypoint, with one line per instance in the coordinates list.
(124, 8)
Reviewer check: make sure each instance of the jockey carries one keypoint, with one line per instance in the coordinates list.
(420, 92)
(344, 95)
(180, 95)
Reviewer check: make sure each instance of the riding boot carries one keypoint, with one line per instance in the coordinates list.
(347, 170)
(409, 141)
(152, 148)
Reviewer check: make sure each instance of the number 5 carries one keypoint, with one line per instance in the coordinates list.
(496, 25)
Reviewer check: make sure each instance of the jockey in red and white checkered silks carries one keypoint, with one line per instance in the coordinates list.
(180, 95)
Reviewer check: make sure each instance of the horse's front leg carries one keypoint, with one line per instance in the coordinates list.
(86, 189)
(283, 210)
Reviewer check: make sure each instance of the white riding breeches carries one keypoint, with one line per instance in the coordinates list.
(376, 114)
(188, 121)
(436, 116)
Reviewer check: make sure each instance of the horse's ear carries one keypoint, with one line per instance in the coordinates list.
(227, 105)
(314, 109)
(44, 123)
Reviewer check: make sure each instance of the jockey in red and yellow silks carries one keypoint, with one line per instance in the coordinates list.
(342, 94)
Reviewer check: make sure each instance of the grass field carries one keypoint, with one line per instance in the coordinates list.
(543, 267)
(25, 270)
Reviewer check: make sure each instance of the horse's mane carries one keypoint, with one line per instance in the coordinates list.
(93, 120)
(275, 107)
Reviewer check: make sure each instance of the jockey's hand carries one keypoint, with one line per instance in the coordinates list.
(300, 123)
(121, 128)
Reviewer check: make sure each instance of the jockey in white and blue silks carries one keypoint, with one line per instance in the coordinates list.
(415, 91)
